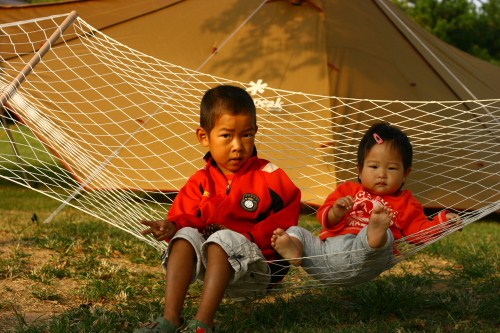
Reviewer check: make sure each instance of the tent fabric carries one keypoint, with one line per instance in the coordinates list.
(353, 49)
(357, 48)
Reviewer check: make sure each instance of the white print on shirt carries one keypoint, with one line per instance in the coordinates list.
(364, 202)
(270, 168)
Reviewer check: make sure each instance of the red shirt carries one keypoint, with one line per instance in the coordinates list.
(259, 199)
(409, 216)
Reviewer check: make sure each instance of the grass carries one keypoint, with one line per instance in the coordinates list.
(78, 274)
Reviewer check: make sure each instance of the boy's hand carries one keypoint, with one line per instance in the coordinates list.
(161, 229)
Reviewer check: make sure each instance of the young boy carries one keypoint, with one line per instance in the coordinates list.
(220, 224)
(361, 220)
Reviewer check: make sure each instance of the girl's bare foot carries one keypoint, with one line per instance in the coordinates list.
(288, 247)
(380, 221)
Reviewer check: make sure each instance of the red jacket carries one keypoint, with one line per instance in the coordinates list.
(409, 216)
(259, 199)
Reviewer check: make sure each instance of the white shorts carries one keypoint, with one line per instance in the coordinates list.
(252, 274)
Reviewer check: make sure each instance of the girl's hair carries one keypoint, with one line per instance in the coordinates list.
(390, 134)
(225, 99)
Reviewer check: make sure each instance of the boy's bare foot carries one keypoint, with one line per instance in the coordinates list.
(380, 221)
(288, 247)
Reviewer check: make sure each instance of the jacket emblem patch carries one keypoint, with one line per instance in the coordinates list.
(250, 202)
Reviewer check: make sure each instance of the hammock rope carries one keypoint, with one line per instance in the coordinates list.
(108, 130)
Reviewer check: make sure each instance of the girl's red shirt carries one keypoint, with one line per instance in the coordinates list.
(409, 216)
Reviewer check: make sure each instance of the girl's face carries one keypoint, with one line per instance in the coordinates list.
(383, 172)
(231, 141)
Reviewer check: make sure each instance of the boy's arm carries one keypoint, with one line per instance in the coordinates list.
(186, 205)
(286, 198)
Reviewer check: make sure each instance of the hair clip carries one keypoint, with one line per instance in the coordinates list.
(378, 139)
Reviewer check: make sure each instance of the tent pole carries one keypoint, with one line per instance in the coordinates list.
(37, 57)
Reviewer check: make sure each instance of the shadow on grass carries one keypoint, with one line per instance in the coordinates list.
(390, 304)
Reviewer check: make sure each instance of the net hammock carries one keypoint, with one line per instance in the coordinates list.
(108, 130)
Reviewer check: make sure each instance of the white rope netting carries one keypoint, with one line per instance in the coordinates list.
(110, 131)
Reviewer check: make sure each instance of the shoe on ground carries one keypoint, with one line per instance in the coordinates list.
(196, 326)
(161, 325)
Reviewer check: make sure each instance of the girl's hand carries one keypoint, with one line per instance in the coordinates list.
(455, 219)
(339, 209)
(342, 206)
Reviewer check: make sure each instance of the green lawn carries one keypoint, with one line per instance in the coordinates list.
(78, 274)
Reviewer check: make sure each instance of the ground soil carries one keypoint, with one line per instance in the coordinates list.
(23, 297)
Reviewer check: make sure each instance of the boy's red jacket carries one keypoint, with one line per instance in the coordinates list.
(260, 198)
(409, 217)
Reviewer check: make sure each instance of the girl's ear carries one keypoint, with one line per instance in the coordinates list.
(202, 136)
(407, 173)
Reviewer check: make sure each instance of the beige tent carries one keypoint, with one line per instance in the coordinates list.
(358, 48)
(354, 49)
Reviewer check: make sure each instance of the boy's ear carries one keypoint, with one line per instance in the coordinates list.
(202, 136)
(407, 173)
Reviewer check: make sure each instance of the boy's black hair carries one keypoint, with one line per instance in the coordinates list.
(388, 133)
(225, 99)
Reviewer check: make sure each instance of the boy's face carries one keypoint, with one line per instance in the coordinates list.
(383, 172)
(231, 141)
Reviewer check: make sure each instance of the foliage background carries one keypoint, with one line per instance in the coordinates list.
(471, 26)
